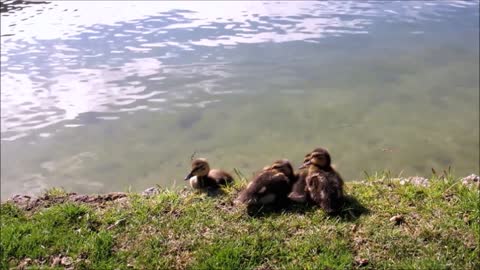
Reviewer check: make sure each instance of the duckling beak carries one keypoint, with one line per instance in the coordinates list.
(304, 165)
(188, 176)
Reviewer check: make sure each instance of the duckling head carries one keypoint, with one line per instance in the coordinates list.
(319, 158)
(309, 156)
(200, 168)
(283, 166)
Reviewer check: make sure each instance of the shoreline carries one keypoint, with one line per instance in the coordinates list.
(385, 222)
(30, 201)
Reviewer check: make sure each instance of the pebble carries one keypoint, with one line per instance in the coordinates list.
(415, 180)
(55, 262)
(24, 263)
(361, 262)
(151, 191)
(66, 261)
(398, 219)
(471, 180)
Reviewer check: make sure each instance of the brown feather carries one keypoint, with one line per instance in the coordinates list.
(323, 183)
(270, 186)
(299, 194)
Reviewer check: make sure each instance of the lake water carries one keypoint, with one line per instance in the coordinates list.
(106, 96)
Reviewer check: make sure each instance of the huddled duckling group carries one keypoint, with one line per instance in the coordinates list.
(315, 182)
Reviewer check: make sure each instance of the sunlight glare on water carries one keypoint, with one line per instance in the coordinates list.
(101, 95)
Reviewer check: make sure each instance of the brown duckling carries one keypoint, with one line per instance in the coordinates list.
(299, 193)
(201, 176)
(270, 186)
(323, 184)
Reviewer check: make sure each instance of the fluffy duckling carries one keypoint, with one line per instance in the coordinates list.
(323, 184)
(299, 193)
(270, 186)
(201, 176)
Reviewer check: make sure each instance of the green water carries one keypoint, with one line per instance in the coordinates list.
(389, 100)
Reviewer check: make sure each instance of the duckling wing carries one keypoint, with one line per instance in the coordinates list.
(337, 180)
(264, 184)
(298, 193)
(279, 184)
(253, 188)
(270, 181)
(335, 183)
(326, 189)
(316, 184)
(334, 194)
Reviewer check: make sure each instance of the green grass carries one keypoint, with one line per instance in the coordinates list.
(189, 230)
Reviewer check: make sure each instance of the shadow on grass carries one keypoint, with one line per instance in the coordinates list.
(278, 209)
(352, 209)
(211, 192)
(215, 192)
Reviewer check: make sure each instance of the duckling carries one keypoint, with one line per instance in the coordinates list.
(270, 186)
(323, 184)
(201, 176)
(299, 193)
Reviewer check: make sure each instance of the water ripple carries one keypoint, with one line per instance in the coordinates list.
(62, 59)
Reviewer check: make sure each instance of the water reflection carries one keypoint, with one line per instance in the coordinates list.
(64, 69)
(11, 6)
(65, 65)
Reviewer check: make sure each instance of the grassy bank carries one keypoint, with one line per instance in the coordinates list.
(384, 225)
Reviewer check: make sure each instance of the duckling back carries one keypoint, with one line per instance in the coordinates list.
(326, 190)
(221, 178)
(268, 187)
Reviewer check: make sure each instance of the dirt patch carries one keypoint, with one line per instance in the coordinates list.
(30, 203)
